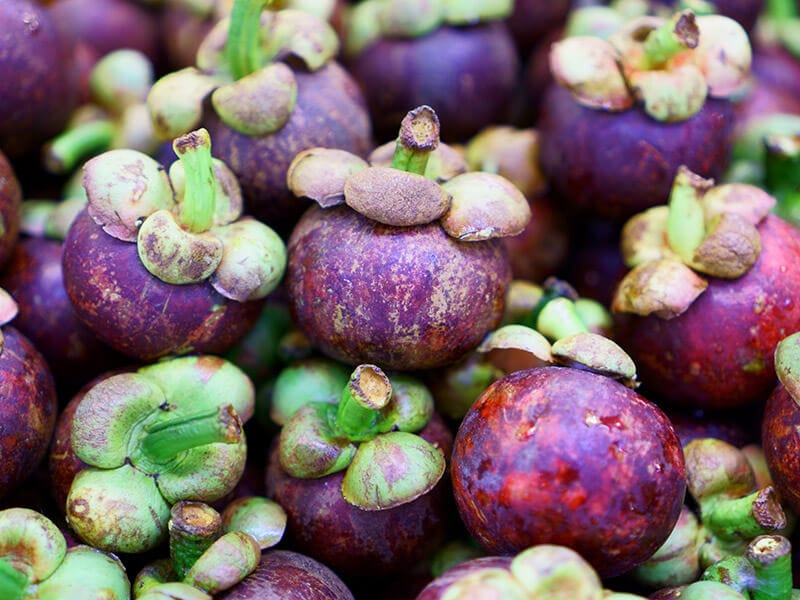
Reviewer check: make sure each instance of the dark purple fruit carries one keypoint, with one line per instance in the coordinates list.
(557, 455)
(10, 208)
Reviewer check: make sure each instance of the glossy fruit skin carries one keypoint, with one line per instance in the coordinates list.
(34, 279)
(136, 313)
(616, 164)
(356, 542)
(330, 112)
(466, 74)
(404, 298)
(287, 575)
(10, 208)
(39, 88)
(719, 353)
(781, 444)
(28, 407)
(565, 456)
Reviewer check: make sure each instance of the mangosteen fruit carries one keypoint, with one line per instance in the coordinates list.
(160, 264)
(267, 86)
(626, 112)
(392, 267)
(710, 293)
(404, 54)
(568, 455)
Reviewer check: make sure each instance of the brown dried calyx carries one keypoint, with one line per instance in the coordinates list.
(705, 230)
(668, 66)
(423, 182)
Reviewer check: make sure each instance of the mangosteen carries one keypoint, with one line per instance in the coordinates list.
(568, 454)
(361, 480)
(10, 209)
(626, 112)
(160, 264)
(29, 402)
(392, 267)
(267, 86)
(532, 20)
(746, 12)
(711, 292)
(404, 54)
(39, 89)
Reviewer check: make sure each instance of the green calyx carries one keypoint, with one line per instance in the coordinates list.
(374, 19)
(186, 224)
(706, 230)
(554, 314)
(321, 438)
(781, 168)
(787, 364)
(677, 561)
(166, 432)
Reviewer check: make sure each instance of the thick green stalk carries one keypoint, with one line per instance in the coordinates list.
(359, 412)
(164, 440)
(12, 582)
(743, 518)
(679, 34)
(193, 527)
(243, 47)
(419, 136)
(64, 152)
(771, 558)
(194, 152)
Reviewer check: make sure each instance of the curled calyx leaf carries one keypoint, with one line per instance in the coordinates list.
(371, 435)
(787, 364)
(167, 432)
(471, 206)
(187, 225)
(669, 66)
(242, 67)
(705, 230)
(374, 19)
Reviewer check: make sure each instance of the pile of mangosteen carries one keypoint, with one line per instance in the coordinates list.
(399, 299)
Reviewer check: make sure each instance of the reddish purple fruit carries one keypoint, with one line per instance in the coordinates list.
(10, 209)
(569, 457)
(781, 443)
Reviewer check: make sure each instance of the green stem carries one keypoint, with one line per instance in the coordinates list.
(679, 34)
(194, 152)
(734, 571)
(164, 440)
(418, 137)
(193, 527)
(243, 47)
(68, 149)
(771, 558)
(743, 518)
(358, 415)
(686, 222)
(782, 174)
(555, 315)
(12, 582)
(780, 10)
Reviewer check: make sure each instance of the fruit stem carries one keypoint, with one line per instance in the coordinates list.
(164, 440)
(418, 137)
(782, 174)
(66, 150)
(194, 151)
(555, 315)
(686, 222)
(743, 518)
(359, 412)
(193, 527)
(243, 47)
(12, 581)
(771, 558)
(679, 34)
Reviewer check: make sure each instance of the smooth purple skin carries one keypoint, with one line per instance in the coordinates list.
(776, 68)
(137, 314)
(439, 586)
(719, 353)
(615, 164)
(555, 455)
(286, 575)
(404, 298)
(532, 20)
(330, 112)
(39, 87)
(781, 444)
(28, 416)
(355, 542)
(738, 428)
(10, 207)
(108, 25)
(466, 74)
(33, 277)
